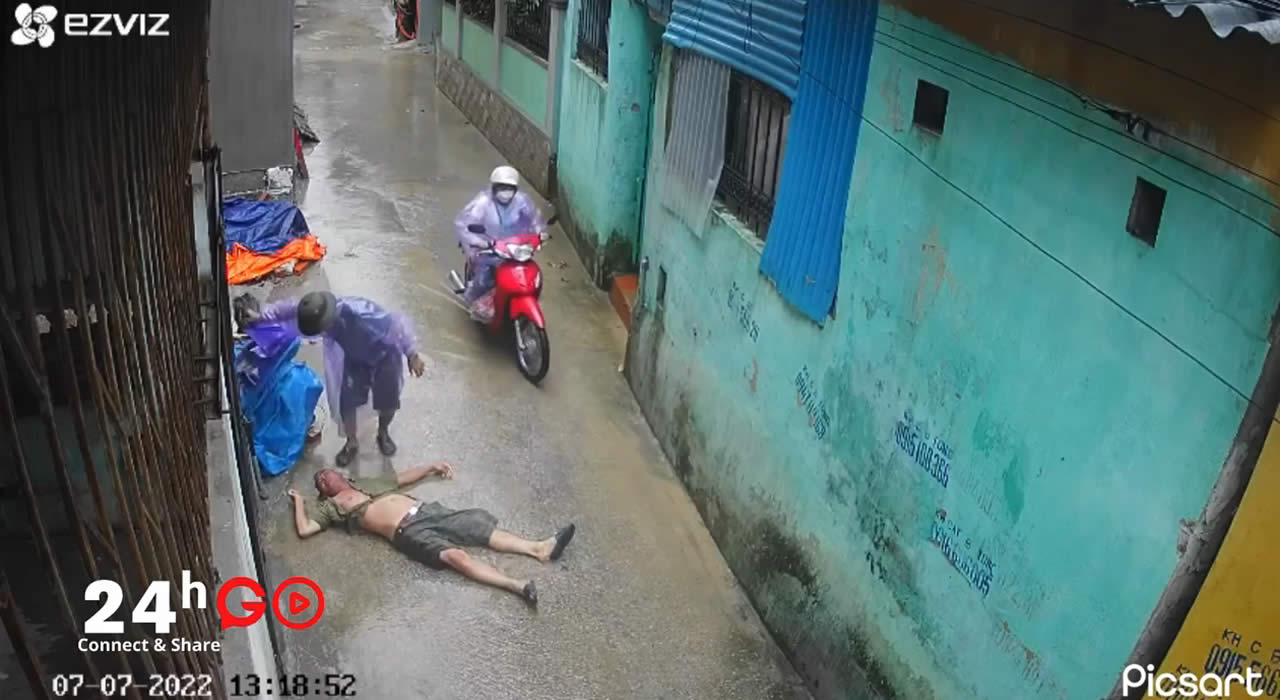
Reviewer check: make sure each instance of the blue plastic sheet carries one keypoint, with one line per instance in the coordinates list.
(262, 227)
(278, 395)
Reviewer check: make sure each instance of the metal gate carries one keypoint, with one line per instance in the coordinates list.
(102, 444)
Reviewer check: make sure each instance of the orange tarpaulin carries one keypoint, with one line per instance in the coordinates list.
(245, 266)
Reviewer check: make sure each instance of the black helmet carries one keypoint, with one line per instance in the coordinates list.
(316, 312)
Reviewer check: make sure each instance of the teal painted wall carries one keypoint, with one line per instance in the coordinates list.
(1065, 438)
(448, 28)
(603, 137)
(524, 82)
(478, 49)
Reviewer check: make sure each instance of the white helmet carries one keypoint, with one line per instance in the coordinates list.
(504, 175)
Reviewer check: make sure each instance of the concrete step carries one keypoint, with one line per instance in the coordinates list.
(622, 292)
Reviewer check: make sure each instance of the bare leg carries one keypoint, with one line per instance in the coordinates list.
(349, 425)
(385, 444)
(502, 541)
(543, 551)
(481, 572)
(348, 451)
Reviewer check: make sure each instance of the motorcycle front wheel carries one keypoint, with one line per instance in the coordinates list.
(533, 349)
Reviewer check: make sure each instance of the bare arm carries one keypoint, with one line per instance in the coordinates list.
(415, 474)
(306, 526)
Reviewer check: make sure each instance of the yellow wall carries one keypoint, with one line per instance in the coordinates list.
(1236, 617)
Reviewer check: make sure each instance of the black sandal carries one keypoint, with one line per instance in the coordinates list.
(530, 594)
(562, 540)
(346, 454)
(386, 445)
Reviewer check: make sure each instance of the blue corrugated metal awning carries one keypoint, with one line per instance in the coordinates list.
(803, 249)
(761, 39)
(1226, 17)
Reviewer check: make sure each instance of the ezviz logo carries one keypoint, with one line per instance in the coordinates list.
(36, 26)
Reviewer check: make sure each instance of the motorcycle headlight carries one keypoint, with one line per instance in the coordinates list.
(523, 253)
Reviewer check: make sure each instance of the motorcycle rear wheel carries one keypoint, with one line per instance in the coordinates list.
(534, 359)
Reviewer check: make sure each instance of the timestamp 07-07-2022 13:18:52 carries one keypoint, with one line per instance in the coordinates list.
(240, 685)
(300, 685)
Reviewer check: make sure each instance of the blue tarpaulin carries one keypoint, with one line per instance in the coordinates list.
(262, 227)
(277, 394)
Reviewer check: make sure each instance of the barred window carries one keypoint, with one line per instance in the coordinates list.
(529, 25)
(593, 35)
(755, 141)
(478, 10)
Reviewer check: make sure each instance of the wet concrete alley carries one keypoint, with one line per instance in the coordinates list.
(642, 605)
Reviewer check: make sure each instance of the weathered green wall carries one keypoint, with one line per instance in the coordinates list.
(988, 328)
(478, 49)
(524, 82)
(603, 136)
(448, 27)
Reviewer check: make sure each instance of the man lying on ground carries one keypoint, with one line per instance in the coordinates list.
(426, 532)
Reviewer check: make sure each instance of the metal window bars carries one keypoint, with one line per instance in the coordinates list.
(481, 11)
(593, 35)
(529, 25)
(755, 142)
(100, 343)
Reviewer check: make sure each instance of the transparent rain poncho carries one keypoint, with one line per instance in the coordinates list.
(363, 333)
(519, 217)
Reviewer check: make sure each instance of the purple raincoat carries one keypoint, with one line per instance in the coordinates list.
(363, 333)
(518, 217)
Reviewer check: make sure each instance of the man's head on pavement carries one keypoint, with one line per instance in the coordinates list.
(329, 482)
(316, 312)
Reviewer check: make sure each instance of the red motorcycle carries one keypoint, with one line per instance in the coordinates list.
(518, 285)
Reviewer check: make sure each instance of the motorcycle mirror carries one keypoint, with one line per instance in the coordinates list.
(475, 228)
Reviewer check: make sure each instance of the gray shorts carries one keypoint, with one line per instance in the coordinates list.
(384, 379)
(427, 533)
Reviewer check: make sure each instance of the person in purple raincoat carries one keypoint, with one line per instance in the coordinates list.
(503, 210)
(366, 349)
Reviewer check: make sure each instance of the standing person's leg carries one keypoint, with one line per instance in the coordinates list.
(388, 381)
(355, 392)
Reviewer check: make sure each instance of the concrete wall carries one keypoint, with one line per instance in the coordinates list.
(507, 102)
(251, 83)
(521, 141)
(448, 26)
(969, 484)
(478, 49)
(524, 82)
(604, 133)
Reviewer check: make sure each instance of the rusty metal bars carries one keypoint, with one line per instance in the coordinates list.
(99, 328)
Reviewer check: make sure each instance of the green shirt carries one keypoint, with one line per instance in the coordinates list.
(327, 513)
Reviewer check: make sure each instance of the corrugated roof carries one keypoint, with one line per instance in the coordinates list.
(1226, 17)
(803, 248)
(758, 37)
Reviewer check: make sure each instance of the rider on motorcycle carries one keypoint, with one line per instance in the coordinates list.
(503, 210)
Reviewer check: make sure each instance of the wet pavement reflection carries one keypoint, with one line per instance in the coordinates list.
(642, 605)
